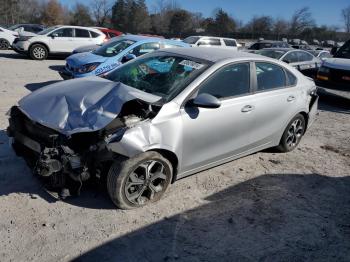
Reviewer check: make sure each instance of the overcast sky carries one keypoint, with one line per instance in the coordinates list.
(324, 11)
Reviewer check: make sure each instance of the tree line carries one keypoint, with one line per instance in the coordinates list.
(167, 18)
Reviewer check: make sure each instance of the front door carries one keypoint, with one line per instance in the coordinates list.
(210, 135)
(62, 40)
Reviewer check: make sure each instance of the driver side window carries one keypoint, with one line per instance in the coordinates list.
(229, 81)
(63, 32)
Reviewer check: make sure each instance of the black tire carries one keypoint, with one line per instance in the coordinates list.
(292, 134)
(129, 188)
(38, 52)
(4, 44)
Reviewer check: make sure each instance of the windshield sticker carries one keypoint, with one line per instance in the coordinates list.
(191, 64)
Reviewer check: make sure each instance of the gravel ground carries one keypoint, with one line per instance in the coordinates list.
(264, 207)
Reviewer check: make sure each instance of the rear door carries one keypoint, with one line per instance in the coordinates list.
(275, 102)
(82, 38)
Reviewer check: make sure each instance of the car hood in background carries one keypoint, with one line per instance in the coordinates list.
(80, 105)
(87, 48)
(25, 33)
(81, 59)
(337, 63)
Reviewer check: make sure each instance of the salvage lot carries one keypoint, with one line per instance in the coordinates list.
(266, 206)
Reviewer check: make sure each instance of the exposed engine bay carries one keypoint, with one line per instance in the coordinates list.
(66, 161)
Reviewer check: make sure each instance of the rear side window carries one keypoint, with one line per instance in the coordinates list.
(304, 57)
(145, 48)
(269, 76)
(82, 33)
(170, 46)
(291, 57)
(229, 81)
(94, 34)
(292, 79)
(229, 42)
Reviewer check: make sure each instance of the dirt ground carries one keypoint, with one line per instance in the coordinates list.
(264, 207)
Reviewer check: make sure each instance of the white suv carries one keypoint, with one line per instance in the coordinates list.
(209, 41)
(6, 38)
(57, 40)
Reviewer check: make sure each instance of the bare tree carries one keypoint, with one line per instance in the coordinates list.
(346, 18)
(101, 10)
(280, 27)
(301, 19)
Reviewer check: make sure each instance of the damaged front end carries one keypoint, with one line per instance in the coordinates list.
(65, 159)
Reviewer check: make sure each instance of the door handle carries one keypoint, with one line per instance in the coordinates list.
(291, 98)
(247, 108)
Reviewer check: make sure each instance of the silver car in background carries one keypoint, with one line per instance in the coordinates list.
(162, 117)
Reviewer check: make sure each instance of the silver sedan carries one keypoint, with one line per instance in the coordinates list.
(162, 117)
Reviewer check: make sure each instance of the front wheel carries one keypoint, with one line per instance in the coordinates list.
(292, 134)
(38, 52)
(138, 181)
(4, 44)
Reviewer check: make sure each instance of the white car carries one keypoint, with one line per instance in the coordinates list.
(208, 41)
(6, 38)
(57, 40)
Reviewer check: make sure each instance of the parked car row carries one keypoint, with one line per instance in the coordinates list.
(113, 54)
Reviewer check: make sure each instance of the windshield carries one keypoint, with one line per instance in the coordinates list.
(191, 40)
(14, 27)
(344, 51)
(277, 54)
(48, 30)
(113, 48)
(164, 75)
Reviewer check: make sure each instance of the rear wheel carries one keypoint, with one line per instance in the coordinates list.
(38, 52)
(292, 134)
(138, 181)
(4, 44)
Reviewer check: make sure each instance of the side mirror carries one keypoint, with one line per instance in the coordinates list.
(205, 101)
(286, 61)
(54, 35)
(127, 58)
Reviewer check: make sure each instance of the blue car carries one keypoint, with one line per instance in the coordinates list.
(113, 54)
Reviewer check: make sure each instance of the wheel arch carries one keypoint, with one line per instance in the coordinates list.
(172, 157)
(306, 117)
(39, 43)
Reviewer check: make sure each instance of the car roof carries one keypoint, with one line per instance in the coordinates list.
(215, 37)
(270, 41)
(80, 27)
(145, 39)
(212, 54)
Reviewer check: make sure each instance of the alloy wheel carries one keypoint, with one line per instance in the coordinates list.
(295, 132)
(145, 182)
(39, 52)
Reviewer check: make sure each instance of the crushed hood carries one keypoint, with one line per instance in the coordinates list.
(80, 105)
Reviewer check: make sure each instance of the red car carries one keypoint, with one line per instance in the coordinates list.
(110, 33)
